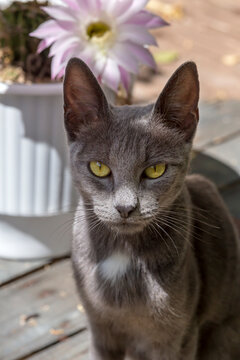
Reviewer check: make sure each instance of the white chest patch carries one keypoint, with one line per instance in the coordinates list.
(115, 266)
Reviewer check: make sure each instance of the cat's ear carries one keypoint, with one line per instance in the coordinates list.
(85, 104)
(177, 105)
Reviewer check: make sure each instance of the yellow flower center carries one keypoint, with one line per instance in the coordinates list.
(97, 29)
(101, 36)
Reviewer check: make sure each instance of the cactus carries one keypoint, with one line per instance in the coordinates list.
(17, 48)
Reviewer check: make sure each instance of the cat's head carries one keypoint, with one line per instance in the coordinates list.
(129, 162)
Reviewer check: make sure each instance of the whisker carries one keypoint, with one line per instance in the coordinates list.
(152, 225)
(181, 222)
(165, 232)
(189, 216)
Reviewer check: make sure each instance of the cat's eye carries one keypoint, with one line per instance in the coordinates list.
(155, 171)
(99, 169)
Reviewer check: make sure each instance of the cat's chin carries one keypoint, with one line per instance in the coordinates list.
(127, 228)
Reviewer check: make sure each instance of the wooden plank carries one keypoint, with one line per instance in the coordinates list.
(228, 153)
(11, 269)
(217, 121)
(38, 310)
(72, 348)
(220, 173)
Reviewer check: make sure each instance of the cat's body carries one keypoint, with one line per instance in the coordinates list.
(161, 307)
(156, 262)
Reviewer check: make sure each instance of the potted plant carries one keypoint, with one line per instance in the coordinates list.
(35, 184)
(36, 189)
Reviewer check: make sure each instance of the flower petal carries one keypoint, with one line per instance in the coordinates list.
(59, 62)
(44, 44)
(46, 29)
(147, 19)
(60, 13)
(56, 65)
(95, 6)
(136, 34)
(111, 75)
(88, 56)
(125, 79)
(73, 4)
(117, 8)
(84, 6)
(69, 53)
(100, 63)
(122, 54)
(136, 6)
(90, 7)
(62, 44)
(143, 55)
(62, 71)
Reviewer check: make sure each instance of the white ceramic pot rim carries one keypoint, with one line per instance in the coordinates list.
(31, 89)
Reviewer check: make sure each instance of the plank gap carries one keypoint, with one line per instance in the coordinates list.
(52, 344)
(219, 141)
(33, 271)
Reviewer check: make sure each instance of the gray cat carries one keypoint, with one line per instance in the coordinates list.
(155, 253)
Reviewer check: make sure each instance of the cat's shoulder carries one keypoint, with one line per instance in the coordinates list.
(199, 183)
(204, 195)
(203, 192)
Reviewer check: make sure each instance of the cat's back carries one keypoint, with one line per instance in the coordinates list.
(209, 208)
(216, 248)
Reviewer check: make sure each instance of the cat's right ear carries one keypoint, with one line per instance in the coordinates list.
(177, 105)
(84, 101)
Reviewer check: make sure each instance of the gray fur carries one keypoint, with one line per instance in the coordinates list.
(180, 296)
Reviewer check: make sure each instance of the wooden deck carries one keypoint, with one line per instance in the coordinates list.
(41, 317)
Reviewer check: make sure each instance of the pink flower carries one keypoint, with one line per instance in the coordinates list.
(111, 36)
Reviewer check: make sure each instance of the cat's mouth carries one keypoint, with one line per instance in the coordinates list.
(127, 227)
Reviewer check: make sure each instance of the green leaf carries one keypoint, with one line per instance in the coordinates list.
(166, 57)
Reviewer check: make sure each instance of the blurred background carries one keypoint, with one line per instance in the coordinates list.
(205, 31)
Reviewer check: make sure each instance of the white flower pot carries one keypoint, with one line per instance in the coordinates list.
(36, 191)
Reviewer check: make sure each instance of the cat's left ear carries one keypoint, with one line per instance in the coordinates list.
(85, 104)
(177, 105)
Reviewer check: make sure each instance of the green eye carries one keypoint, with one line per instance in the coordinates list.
(99, 169)
(155, 171)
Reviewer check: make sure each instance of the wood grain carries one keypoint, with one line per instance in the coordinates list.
(218, 123)
(72, 348)
(10, 270)
(38, 310)
(227, 152)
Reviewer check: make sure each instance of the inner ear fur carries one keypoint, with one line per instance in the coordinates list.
(84, 101)
(177, 105)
